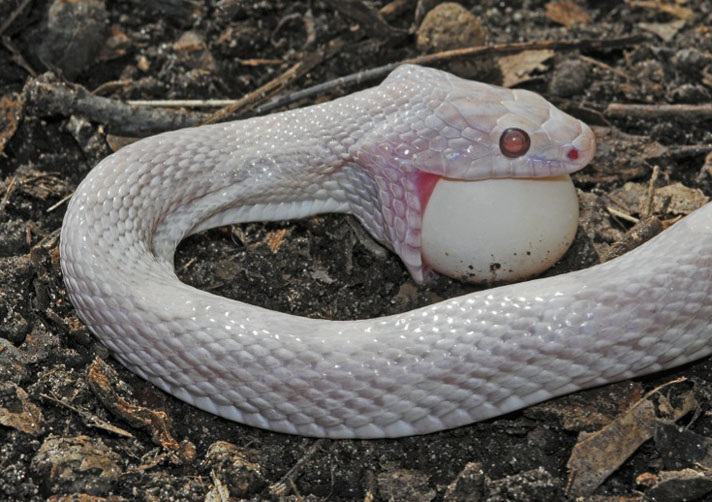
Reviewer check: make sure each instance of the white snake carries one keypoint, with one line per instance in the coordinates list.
(441, 366)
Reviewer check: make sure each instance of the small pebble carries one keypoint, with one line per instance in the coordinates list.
(73, 35)
(450, 26)
(690, 93)
(569, 78)
(691, 60)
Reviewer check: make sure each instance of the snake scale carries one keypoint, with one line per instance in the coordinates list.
(372, 154)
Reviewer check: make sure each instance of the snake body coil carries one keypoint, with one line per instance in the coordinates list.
(442, 366)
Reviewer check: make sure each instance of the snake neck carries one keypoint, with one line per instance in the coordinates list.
(291, 165)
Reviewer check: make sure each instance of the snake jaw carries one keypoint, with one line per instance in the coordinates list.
(453, 131)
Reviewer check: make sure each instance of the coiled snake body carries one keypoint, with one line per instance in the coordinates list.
(441, 366)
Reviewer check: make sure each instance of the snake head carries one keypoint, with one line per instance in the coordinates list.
(428, 124)
(461, 129)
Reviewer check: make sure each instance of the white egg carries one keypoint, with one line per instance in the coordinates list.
(500, 229)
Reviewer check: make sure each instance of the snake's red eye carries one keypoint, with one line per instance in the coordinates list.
(514, 143)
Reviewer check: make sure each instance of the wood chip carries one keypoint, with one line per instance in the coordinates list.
(103, 380)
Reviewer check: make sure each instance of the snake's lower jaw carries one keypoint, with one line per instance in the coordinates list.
(500, 230)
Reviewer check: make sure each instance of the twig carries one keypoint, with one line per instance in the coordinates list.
(603, 65)
(50, 96)
(620, 214)
(641, 232)
(684, 151)
(259, 62)
(470, 52)
(393, 8)
(650, 198)
(47, 95)
(657, 112)
(280, 487)
(17, 56)
(277, 43)
(183, 103)
(644, 229)
(13, 15)
(262, 93)
(111, 86)
(89, 418)
(62, 201)
(514, 48)
(369, 19)
(8, 191)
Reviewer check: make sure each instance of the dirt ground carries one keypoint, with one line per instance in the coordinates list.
(75, 425)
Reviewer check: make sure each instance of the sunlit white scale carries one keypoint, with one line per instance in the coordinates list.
(446, 365)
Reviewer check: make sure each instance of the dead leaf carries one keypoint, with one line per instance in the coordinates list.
(89, 418)
(61, 458)
(518, 68)
(665, 31)
(675, 199)
(599, 454)
(589, 409)
(10, 113)
(567, 12)
(28, 419)
(674, 8)
(103, 380)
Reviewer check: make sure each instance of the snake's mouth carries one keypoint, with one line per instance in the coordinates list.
(566, 159)
(538, 170)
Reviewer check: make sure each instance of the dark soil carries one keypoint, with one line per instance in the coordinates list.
(60, 435)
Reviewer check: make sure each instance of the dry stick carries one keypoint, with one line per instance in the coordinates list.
(8, 191)
(606, 67)
(620, 214)
(51, 96)
(280, 487)
(644, 229)
(251, 99)
(393, 8)
(657, 112)
(11, 18)
(650, 197)
(683, 151)
(501, 49)
(470, 52)
(368, 18)
(47, 95)
(182, 103)
(17, 56)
